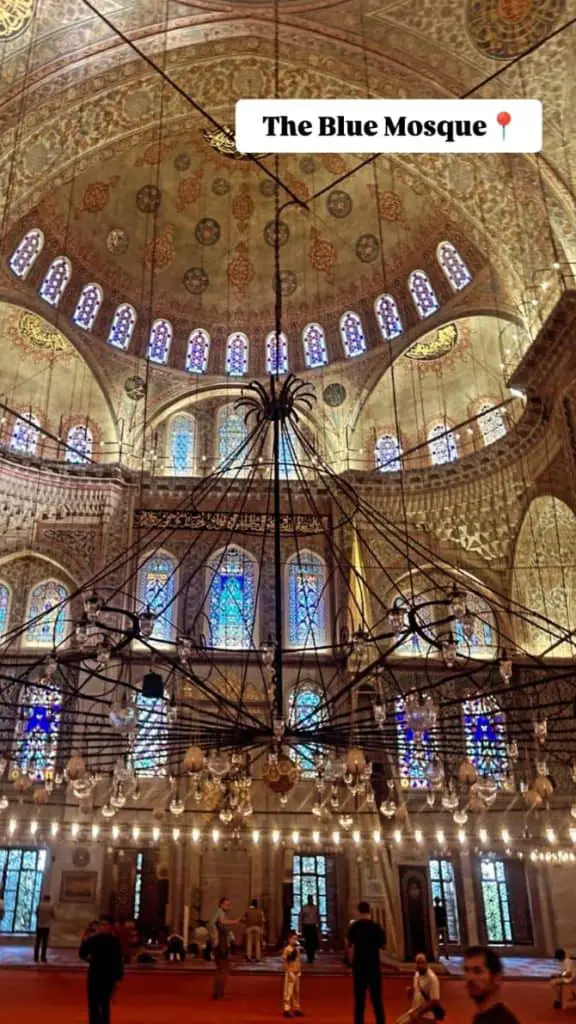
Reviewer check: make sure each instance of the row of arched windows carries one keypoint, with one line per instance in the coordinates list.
(443, 443)
(25, 439)
(44, 614)
(233, 449)
(160, 339)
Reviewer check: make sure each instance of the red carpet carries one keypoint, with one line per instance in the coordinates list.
(55, 997)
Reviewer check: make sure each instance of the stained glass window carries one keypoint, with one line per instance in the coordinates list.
(388, 454)
(491, 423)
(496, 902)
(237, 347)
(157, 589)
(182, 437)
(159, 341)
(50, 621)
(483, 638)
(232, 434)
(232, 599)
(288, 453)
(415, 752)
(352, 334)
(88, 305)
(25, 255)
(4, 608)
(138, 886)
(79, 441)
(151, 742)
(315, 351)
(56, 281)
(197, 351)
(306, 601)
(442, 445)
(306, 713)
(485, 737)
(454, 267)
(122, 327)
(414, 646)
(423, 294)
(388, 317)
(276, 353)
(23, 874)
(444, 888)
(25, 434)
(36, 736)
(309, 879)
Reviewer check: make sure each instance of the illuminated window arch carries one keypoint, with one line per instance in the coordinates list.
(388, 317)
(388, 454)
(483, 640)
(27, 252)
(197, 351)
(156, 591)
(290, 453)
(5, 601)
(305, 711)
(454, 267)
(485, 737)
(232, 435)
(315, 351)
(25, 434)
(159, 342)
(36, 734)
(237, 348)
(352, 334)
(277, 354)
(442, 445)
(415, 753)
(307, 618)
(150, 752)
(491, 423)
(88, 306)
(414, 646)
(56, 280)
(231, 601)
(182, 444)
(123, 325)
(47, 621)
(423, 295)
(80, 442)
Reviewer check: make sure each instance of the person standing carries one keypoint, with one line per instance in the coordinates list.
(254, 921)
(365, 940)
(103, 951)
(425, 993)
(310, 929)
(292, 972)
(44, 918)
(221, 925)
(564, 975)
(441, 921)
(483, 976)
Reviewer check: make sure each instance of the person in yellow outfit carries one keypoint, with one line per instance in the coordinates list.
(292, 972)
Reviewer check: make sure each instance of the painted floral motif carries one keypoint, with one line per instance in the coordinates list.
(220, 186)
(96, 195)
(299, 188)
(322, 255)
(189, 191)
(207, 231)
(389, 204)
(240, 271)
(339, 203)
(117, 240)
(135, 388)
(182, 162)
(148, 199)
(270, 233)
(334, 163)
(334, 395)
(195, 280)
(505, 28)
(307, 165)
(288, 282)
(243, 207)
(268, 187)
(160, 251)
(367, 248)
(154, 153)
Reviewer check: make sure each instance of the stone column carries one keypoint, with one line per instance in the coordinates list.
(469, 896)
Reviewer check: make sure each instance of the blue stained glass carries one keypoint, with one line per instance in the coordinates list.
(23, 871)
(232, 599)
(313, 884)
(151, 743)
(25, 255)
(232, 434)
(182, 444)
(485, 737)
(36, 736)
(388, 317)
(157, 589)
(306, 601)
(423, 294)
(25, 434)
(315, 351)
(288, 453)
(442, 445)
(414, 752)
(122, 327)
(496, 902)
(352, 334)
(160, 341)
(483, 635)
(276, 354)
(491, 422)
(414, 646)
(306, 713)
(444, 888)
(237, 347)
(79, 441)
(88, 305)
(47, 631)
(4, 608)
(57, 277)
(197, 352)
(454, 267)
(388, 454)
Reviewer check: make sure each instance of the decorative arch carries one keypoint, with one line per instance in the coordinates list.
(80, 442)
(423, 295)
(197, 351)
(314, 342)
(307, 599)
(56, 280)
(5, 604)
(27, 252)
(157, 591)
(442, 445)
(388, 454)
(122, 327)
(232, 433)
(46, 619)
(25, 434)
(181, 454)
(37, 730)
(276, 354)
(455, 270)
(231, 599)
(388, 317)
(88, 306)
(305, 711)
(352, 334)
(159, 341)
(237, 349)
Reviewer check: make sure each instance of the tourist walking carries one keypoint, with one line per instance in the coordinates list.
(563, 976)
(310, 929)
(44, 918)
(292, 972)
(103, 951)
(220, 930)
(425, 994)
(483, 976)
(365, 940)
(254, 921)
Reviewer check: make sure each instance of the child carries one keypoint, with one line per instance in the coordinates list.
(292, 967)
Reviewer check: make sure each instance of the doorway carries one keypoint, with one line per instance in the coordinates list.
(21, 875)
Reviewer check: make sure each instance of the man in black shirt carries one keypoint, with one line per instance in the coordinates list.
(365, 940)
(483, 974)
(103, 951)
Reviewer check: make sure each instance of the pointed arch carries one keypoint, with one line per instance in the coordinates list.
(388, 454)
(423, 295)
(306, 711)
(231, 599)
(25, 434)
(36, 735)
(276, 354)
(307, 598)
(352, 334)
(491, 423)
(56, 280)
(157, 591)
(388, 317)
(442, 445)
(197, 351)
(45, 617)
(88, 306)
(485, 737)
(122, 327)
(455, 270)
(80, 442)
(26, 253)
(237, 350)
(182, 444)
(314, 342)
(5, 605)
(232, 433)
(159, 341)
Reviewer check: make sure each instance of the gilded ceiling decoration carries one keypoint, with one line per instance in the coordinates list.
(15, 16)
(40, 335)
(223, 143)
(436, 345)
(505, 28)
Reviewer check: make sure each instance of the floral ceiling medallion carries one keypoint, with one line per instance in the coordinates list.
(222, 141)
(503, 29)
(437, 345)
(15, 16)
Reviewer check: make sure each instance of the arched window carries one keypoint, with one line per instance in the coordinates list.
(56, 281)
(4, 608)
(442, 445)
(182, 444)
(305, 712)
(237, 347)
(289, 453)
(24, 257)
(276, 354)
(122, 327)
(315, 351)
(156, 591)
(232, 435)
(79, 441)
(454, 267)
(388, 454)
(231, 603)
(88, 305)
(414, 645)
(388, 317)
(306, 601)
(151, 741)
(352, 334)
(481, 642)
(46, 621)
(415, 750)
(159, 342)
(197, 351)
(491, 423)
(485, 737)
(423, 294)
(36, 735)
(25, 434)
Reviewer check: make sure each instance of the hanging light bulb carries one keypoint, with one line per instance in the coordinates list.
(95, 831)
(12, 826)
(54, 829)
(505, 667)
(505, 835)
(295, 837)
(176, 806)
(377, 835)
(550, 835)
(440, 836)
(226, 815)
(81, 629)
(104, 653)
(356, 836)
(275, 836)
(379, 710)
(33, 828)
(541, 730)
(468, 621)
(4, 802)
(215, 835)
(175, 834)
(397, 836)
(316, 837)
(336, 838)
(135, 833)
(396, 618)
(92, 606)
(457, 602)
(449, 651)
(184, 648)
(108, 811)
(267, 653)
(255, 836)
(195, 835)
(461, 836)
(75, 829)
(155, 834)
(388, 808)
(418, 835)
(146, 621)
(115, 831)
(483, 835)
(460, 817)
(346, 821)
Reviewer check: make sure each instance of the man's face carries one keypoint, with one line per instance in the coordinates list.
(481, 984)
(421, 963)
(225, 906)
